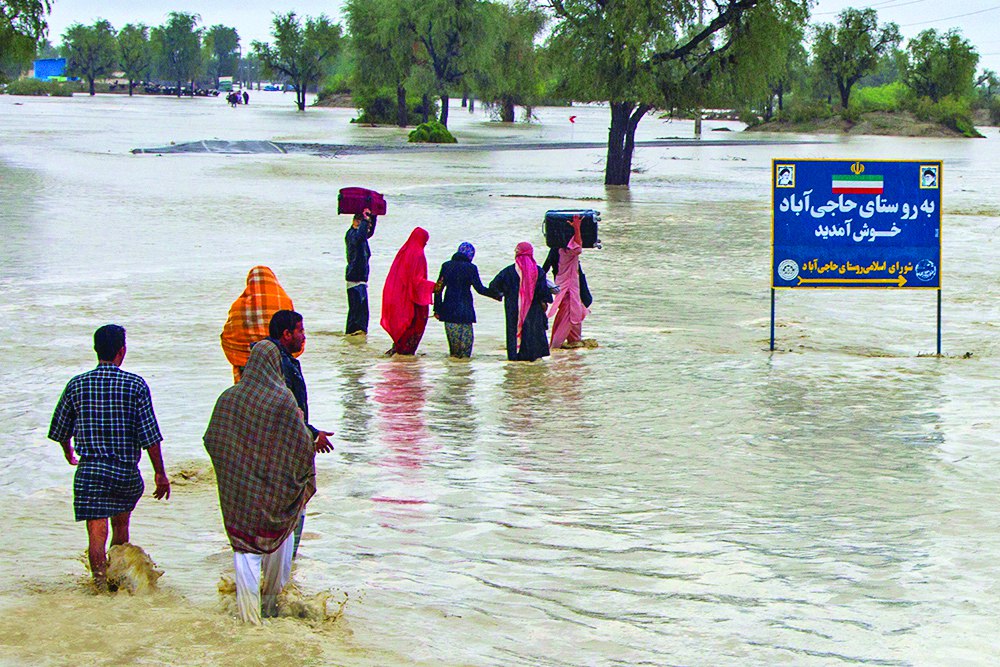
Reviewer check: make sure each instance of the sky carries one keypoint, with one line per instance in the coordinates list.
(977, 19)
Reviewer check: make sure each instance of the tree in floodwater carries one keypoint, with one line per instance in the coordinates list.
(222, 45)
(509, 75)
(451, 33)
(941, 64)
(177, 49)
(851, 49)
(668, 63)
(385, 47)
(91, 50)
(135, 53)
(22, 25)
(300, 52)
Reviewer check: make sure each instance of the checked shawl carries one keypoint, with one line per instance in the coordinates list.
(250, 315)
(263, 455)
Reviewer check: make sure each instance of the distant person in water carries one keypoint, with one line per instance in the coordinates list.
(358, 253)
(104, 420)
(246, 97)
(453, 300)
(568, 309)
(525, 294)
(264, 462)
(407, 295)
(250, 315)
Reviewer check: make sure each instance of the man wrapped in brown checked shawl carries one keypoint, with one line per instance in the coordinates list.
(264, 461)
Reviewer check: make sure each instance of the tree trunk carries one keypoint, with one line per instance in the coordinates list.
(427, 108)
(506, 111)
(192, 88)
(625, 117)
(91, 80)
(845, 94)
(472, 105)
(465, 99)
(402, 114)
(444, 110)
(131, 85)
(781, 98)
(178, 89)
(300, 96)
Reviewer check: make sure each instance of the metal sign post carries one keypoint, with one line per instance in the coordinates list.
(841, 224)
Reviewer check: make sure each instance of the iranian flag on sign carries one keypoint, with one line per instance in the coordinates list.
(857, 185)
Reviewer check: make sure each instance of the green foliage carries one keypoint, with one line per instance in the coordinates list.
(806, 110)
(91, 51)
(135, 52)
(379, 107)
(177, 48)
(432, 132)
(950, 111)
(45, 49)
(994, 110)
(38, 88)
(222, 51)
(891, 97)
(939, 65)
(852, 48)
(22, 24)
(300, 51)
(511, 75)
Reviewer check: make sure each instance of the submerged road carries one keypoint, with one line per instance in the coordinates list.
(256, 147)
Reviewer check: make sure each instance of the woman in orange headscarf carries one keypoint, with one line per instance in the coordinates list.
(250, 314)
(407, 295)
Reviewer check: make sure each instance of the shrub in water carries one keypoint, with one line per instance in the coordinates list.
(39, 88)
(432, 132)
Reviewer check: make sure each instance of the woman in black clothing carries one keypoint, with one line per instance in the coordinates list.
(525, 294)
(453, 300)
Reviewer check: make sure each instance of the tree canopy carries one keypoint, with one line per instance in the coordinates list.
(668, 63)
(939, 65)
(222, 45)
(851, 49)
(91, 51)
(135, 53)
(177, 48)
(22, 25)
(300, 52)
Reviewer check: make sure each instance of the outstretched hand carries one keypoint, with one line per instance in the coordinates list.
(162, 487)
(323, 444)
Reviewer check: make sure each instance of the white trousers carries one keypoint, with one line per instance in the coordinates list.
(277, 571)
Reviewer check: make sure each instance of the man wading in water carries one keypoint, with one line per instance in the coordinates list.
(108, 415)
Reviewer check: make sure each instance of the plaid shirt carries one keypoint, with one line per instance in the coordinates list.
(109, 414)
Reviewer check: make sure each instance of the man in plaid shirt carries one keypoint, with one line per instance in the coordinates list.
(108, 415)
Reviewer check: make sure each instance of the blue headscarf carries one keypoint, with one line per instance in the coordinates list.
(466, 249)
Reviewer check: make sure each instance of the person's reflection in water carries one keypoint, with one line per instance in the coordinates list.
(453, 417)
(400, 394)
(525, 387)
(358, 414)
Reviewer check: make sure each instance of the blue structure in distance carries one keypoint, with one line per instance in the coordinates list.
(46, 68)
(841, 224)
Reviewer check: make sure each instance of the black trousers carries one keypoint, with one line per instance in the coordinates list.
(357, 309)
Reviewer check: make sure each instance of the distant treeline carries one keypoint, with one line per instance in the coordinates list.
(402, 61)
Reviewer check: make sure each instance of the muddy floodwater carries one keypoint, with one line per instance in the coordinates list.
(677, 496)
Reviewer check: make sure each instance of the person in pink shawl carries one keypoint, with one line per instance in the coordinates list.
(567, 309)
(407, 295)
(525, 293)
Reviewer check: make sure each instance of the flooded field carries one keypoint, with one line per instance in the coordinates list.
(678, 496)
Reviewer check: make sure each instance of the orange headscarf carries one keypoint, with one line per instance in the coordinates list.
(250, 314)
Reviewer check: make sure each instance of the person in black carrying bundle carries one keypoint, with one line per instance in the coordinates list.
(362, 228)
(453, 300)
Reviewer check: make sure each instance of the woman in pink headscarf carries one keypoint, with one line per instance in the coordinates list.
(568, 308)
(525, 294)
(407, 295)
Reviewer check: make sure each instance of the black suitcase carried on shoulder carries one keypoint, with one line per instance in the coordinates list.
(559, 231)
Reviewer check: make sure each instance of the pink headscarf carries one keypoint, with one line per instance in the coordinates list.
(406, 285)
(527, 269)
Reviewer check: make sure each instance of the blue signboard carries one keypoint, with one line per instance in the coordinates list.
(842, 224)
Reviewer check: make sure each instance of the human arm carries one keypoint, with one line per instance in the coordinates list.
(495, 286)
(477, 284)
(577, 234)
(370, 220)
(321, 441)
(69, 453)
(439, 293)
(160, 474)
